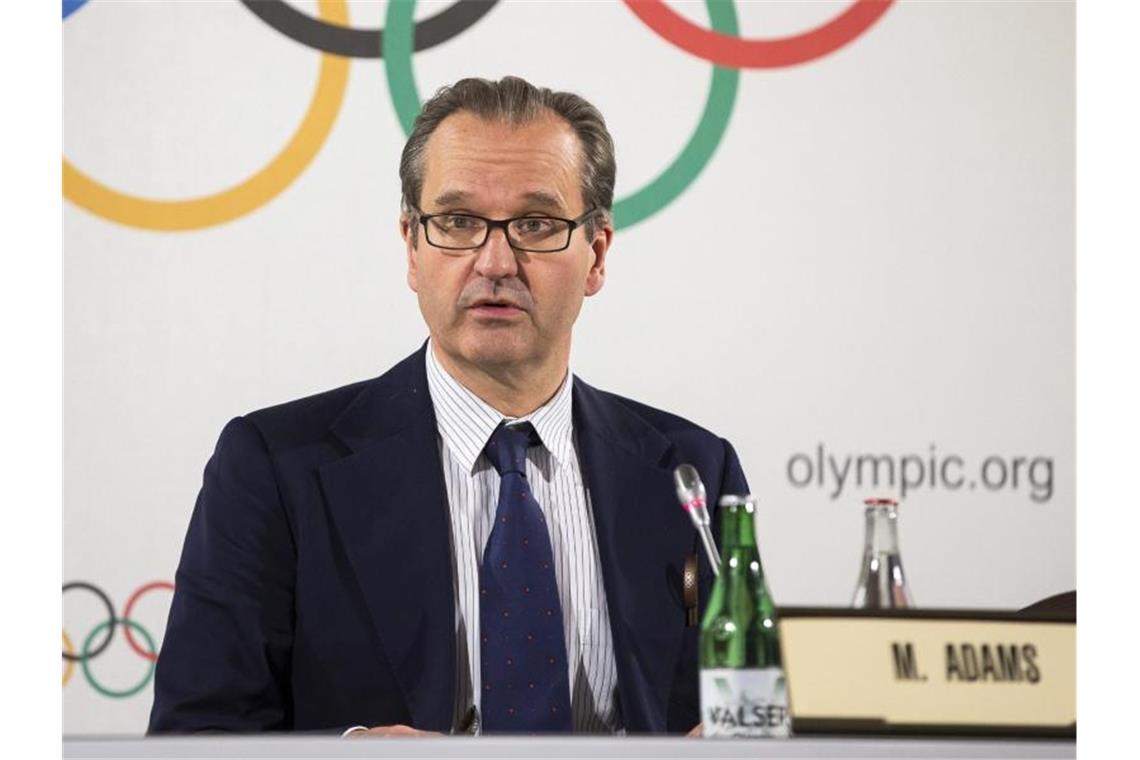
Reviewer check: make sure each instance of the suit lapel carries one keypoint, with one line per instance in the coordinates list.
(389, 505)
(643, 537)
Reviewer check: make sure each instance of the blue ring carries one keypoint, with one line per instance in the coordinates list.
(71, 6)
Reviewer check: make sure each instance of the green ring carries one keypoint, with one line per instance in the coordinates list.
(87, 669)
(643, 203)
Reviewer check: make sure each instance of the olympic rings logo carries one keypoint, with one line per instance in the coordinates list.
(339, 42)
(103, 633)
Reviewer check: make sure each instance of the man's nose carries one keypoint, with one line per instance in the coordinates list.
(496, 259)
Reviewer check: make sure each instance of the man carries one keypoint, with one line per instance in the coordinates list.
(475, 540)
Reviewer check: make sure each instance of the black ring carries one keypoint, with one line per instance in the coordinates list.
(110, 616)
(365, 43)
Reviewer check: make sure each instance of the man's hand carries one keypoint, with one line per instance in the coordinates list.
(696, 731)
(397, 730)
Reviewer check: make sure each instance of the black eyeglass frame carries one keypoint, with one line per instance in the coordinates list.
(503, 225)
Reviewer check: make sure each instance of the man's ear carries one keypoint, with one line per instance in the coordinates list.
(408, 233)
(596, 276)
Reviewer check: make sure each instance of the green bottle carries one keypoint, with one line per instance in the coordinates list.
(743, 692)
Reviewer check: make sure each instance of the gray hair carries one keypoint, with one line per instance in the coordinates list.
(515, 101)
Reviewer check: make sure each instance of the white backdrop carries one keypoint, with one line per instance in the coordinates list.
(876, 261)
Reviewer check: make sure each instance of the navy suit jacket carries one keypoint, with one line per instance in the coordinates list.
(315, 590)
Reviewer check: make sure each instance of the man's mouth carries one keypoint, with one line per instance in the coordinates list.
(495, 303)
(495, 307)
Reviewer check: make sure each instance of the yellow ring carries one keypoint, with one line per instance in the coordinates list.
(70, 667)
(241, 199)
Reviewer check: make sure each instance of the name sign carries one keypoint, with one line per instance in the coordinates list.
(929, 671)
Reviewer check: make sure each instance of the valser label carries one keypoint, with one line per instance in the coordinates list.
(745, 702)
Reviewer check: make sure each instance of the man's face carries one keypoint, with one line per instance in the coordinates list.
(494, 308)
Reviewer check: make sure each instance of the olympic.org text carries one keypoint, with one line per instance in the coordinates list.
(911, 472)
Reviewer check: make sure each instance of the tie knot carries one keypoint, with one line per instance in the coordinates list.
(507, 447)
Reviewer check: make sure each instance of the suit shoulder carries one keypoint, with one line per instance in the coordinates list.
(672, 426)
(304, 420)
(713, 456)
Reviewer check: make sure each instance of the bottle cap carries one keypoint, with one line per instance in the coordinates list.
(737, 500)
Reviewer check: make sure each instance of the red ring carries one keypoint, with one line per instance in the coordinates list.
(739, 53)
(152, 656)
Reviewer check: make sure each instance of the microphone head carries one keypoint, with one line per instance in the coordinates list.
(690, 489)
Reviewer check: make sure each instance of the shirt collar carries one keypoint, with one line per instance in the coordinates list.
(465, 421)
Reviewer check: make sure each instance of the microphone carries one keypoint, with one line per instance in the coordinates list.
(691, 494)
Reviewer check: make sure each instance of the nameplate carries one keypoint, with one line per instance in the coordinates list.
(929, 671)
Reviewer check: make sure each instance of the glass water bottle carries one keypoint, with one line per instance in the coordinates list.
(743, 692)
(881, 584)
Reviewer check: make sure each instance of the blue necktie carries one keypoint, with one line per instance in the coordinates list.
(526, 683)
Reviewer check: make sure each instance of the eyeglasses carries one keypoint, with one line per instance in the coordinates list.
(534, 234)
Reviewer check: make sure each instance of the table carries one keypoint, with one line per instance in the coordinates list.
(557, 748)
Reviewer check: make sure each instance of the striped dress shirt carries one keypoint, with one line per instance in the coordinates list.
(464, 424)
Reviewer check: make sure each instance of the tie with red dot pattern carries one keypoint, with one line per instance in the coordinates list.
(526, 683)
